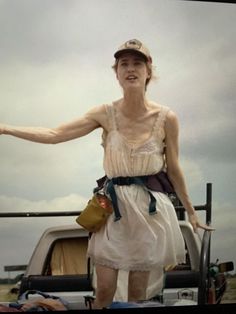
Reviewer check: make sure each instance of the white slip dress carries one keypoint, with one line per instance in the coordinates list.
(138, 241)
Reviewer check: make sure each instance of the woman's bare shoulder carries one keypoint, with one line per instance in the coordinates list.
(171, 116)
(154, 107)
(99, 114)
(171, 119)
(172, 123)
(100, 109)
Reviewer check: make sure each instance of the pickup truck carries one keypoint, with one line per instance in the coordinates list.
(59, 267)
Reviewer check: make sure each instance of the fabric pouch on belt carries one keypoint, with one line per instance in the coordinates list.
(159, 183)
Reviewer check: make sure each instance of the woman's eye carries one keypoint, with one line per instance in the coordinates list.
(137, 63)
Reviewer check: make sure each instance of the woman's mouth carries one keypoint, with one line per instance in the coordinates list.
(131, 78)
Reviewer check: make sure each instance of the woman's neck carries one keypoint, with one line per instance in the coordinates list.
(134, 104)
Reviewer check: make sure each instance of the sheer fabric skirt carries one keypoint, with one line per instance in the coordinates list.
(139, 241)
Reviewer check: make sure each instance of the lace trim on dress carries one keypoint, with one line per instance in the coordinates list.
(112, 123)
(120, 266)
(148, 147)
(111, 116)
(152, 144)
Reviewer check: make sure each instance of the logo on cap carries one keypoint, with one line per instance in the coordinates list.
(133, 44)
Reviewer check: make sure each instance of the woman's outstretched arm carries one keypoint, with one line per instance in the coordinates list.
(65, 132)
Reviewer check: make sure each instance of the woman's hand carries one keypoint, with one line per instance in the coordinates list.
(193, 219)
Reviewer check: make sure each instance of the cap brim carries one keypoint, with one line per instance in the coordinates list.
(121, 52)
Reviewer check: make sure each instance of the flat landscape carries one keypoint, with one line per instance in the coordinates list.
(5, 295)
(230, 295)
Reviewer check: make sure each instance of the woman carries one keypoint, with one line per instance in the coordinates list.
(140, 138)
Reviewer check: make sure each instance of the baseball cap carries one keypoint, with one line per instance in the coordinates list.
(134, 45)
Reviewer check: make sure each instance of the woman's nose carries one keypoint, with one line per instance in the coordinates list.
(130, 68)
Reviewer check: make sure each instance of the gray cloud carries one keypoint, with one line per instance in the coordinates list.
(55, 59)
(215, 144)
(46, 32)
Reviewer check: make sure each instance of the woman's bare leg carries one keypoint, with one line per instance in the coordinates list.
(137, 285)
(106, 286)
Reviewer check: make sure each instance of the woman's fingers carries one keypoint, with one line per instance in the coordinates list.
(193, 219)
(205, 227)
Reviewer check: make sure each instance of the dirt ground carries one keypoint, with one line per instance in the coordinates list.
(5, 295)
(230, 295)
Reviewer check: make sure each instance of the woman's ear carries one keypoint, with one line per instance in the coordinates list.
(149, 74)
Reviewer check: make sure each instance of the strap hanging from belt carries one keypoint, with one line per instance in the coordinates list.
(110, 189)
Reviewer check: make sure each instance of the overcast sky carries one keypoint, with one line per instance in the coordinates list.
(55, 64)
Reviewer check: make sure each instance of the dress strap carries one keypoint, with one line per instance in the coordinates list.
(111, 115)
(160, 121)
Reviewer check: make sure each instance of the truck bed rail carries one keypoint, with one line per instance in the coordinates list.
(179, 209)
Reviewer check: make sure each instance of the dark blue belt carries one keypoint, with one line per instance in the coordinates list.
(158, 182)
(110, 189)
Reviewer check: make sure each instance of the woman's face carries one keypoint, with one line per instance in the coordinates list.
(132, 71)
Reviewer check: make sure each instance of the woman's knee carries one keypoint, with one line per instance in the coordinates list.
(105, 289)
(138, 282)
(106, 285)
